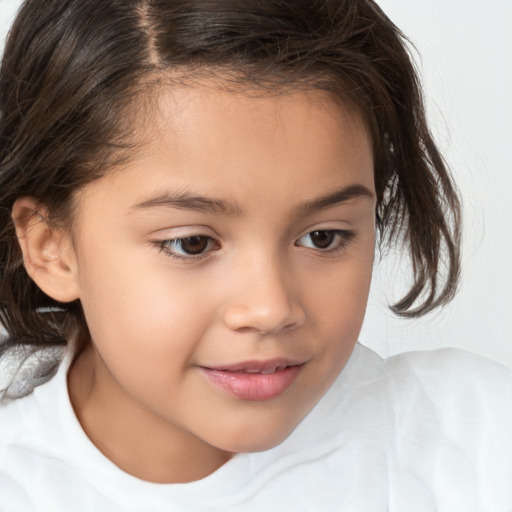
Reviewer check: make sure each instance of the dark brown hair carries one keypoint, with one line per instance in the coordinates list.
(72, 69)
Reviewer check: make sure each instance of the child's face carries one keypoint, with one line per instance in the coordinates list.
(242, 238)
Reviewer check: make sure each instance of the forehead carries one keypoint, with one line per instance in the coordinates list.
(231, 143)
(206, 102)
(229, 123)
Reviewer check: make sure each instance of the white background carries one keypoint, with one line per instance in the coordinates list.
(466, 64)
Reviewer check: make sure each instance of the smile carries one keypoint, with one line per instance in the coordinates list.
(255, 381)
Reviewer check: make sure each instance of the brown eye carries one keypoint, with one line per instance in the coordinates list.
(194, 244)
(322, 239)
(188, 247)
(326, 240)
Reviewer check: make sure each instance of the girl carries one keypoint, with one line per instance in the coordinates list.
(190, 195)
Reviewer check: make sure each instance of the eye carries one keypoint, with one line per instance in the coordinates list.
(190, 247)
(326, 240)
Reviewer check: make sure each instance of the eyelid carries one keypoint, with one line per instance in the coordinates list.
(185, 231)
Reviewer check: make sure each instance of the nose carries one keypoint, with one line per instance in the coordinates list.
(266, 300)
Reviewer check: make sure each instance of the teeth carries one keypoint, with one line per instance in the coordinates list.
(268, 371)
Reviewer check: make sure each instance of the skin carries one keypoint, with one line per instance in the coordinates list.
(262, 289)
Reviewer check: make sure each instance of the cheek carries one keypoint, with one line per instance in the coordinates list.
(142, 310)
(336, 303)
(341, 293)
(339, 299)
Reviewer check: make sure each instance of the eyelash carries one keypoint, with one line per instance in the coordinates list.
(343, 238)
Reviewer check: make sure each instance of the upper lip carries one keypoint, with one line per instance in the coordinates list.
(256, 366)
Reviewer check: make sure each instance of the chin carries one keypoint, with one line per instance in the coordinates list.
(252, 446)
(255, 439)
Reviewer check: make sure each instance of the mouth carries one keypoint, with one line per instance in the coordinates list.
(253, 380)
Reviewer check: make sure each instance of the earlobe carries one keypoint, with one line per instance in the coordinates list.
(48, 254)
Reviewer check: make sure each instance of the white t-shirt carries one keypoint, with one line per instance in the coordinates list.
(422, 431)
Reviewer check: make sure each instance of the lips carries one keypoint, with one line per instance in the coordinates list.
(255, 380)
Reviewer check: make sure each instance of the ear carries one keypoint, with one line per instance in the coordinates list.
(48, 253)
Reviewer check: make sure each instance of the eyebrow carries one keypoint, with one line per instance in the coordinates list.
(335, 198)
(194, 202)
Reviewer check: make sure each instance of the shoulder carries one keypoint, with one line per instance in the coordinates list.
(18, 439)
(446, 359)
(25, 375)
(24, 367)
(444, 388)
(463, 393)
(26, 401)
(450, 379)
(452, 423)
(29, 423)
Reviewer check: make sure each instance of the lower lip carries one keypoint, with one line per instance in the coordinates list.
(253, 386)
